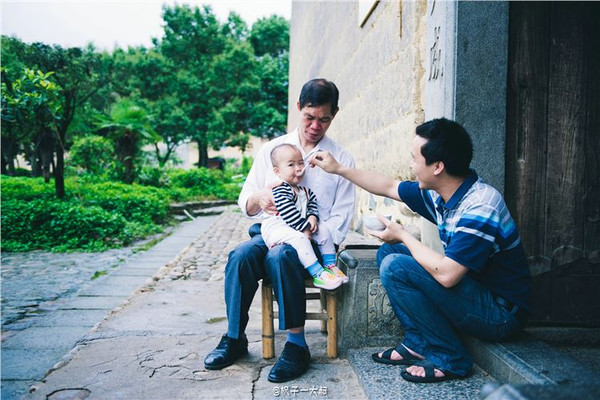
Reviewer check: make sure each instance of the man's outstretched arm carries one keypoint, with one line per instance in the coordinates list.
(371, 181)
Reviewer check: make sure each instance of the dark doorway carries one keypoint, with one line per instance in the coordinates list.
(553, 154)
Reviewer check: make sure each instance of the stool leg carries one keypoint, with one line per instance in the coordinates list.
(268, 332)
(323, 301)
(332, 347)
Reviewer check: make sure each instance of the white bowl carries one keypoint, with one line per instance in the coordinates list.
(373, 223)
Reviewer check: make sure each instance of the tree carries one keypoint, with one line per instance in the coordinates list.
(79, 74)
(270, 36)
(151, 79)
(270, 40)
(11, 70)
(226, 91)
(92, 154)
(238, 91)
(192, 39)
(127, 125)
(30, 109)
(170, 121)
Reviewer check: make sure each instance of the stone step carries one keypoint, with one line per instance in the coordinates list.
(381, 381)
(528, 360)
(205, 212)
(523, 363)
(540, 392)
(194, 206)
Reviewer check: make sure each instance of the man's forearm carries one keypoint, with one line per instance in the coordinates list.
(252, 205)
(444, 270)
(371, 181)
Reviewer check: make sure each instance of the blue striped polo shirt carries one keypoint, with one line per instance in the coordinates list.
(478, 232)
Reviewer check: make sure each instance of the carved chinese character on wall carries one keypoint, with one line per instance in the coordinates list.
(435, 56)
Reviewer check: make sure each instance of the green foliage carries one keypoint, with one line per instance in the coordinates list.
(21, 172)
(128, 126)
(59, 226)
(91, 154)
(154, 176)
(25, 190)
(30, 109)
(246, 165)
(214, 83)
(270, 36)
(94, 217)
(204, 183)
(144, 204)
(98, 214)
(270, 39)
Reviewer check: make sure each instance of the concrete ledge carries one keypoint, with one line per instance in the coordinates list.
(566, 336)
(540, 392)
(529, 361)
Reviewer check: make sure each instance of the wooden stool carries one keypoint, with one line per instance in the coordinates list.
(328, 317)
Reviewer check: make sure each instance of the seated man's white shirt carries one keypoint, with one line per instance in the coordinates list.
(335, 195)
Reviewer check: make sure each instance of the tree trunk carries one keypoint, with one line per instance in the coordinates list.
(61, 134)
(35, 158)
(59, 173)
(162, 160)
(126, 147)
(9, 154)
(45, 146)
(202, 154)
(4, 164)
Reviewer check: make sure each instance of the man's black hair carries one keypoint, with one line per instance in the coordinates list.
(318, 92)
(449, 142)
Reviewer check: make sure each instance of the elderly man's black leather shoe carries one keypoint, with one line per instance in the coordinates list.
(294, 361)
(226, 353)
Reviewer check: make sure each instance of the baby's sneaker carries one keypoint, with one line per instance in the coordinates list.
(337, 272)
(327, 280)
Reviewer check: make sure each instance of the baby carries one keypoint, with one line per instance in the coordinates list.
(297, 220)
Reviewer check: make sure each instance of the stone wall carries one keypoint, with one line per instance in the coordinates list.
(379, 70)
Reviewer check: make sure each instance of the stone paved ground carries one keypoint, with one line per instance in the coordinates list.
(153, 345)
(33, 281)
(50, 300)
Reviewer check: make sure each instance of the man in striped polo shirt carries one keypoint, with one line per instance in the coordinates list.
(480, 286)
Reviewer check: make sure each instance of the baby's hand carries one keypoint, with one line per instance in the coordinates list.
(313, 222)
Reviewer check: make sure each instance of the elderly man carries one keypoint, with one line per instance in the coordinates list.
(252, 261)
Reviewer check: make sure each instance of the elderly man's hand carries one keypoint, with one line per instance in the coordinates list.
(266, 201)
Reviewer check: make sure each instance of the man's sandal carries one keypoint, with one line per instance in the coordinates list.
(429, 374)
(386, 356)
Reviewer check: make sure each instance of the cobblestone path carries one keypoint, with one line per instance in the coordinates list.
(33, 281)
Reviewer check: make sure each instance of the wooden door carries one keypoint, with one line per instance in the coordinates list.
(553, 154)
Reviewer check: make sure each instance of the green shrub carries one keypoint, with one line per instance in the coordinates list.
(92, 154)
(153, 176)
(93, 217)
(134, 202)
(22, 172)
(204, 182)
(62, 226)
(26, 189)
(98, 214)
